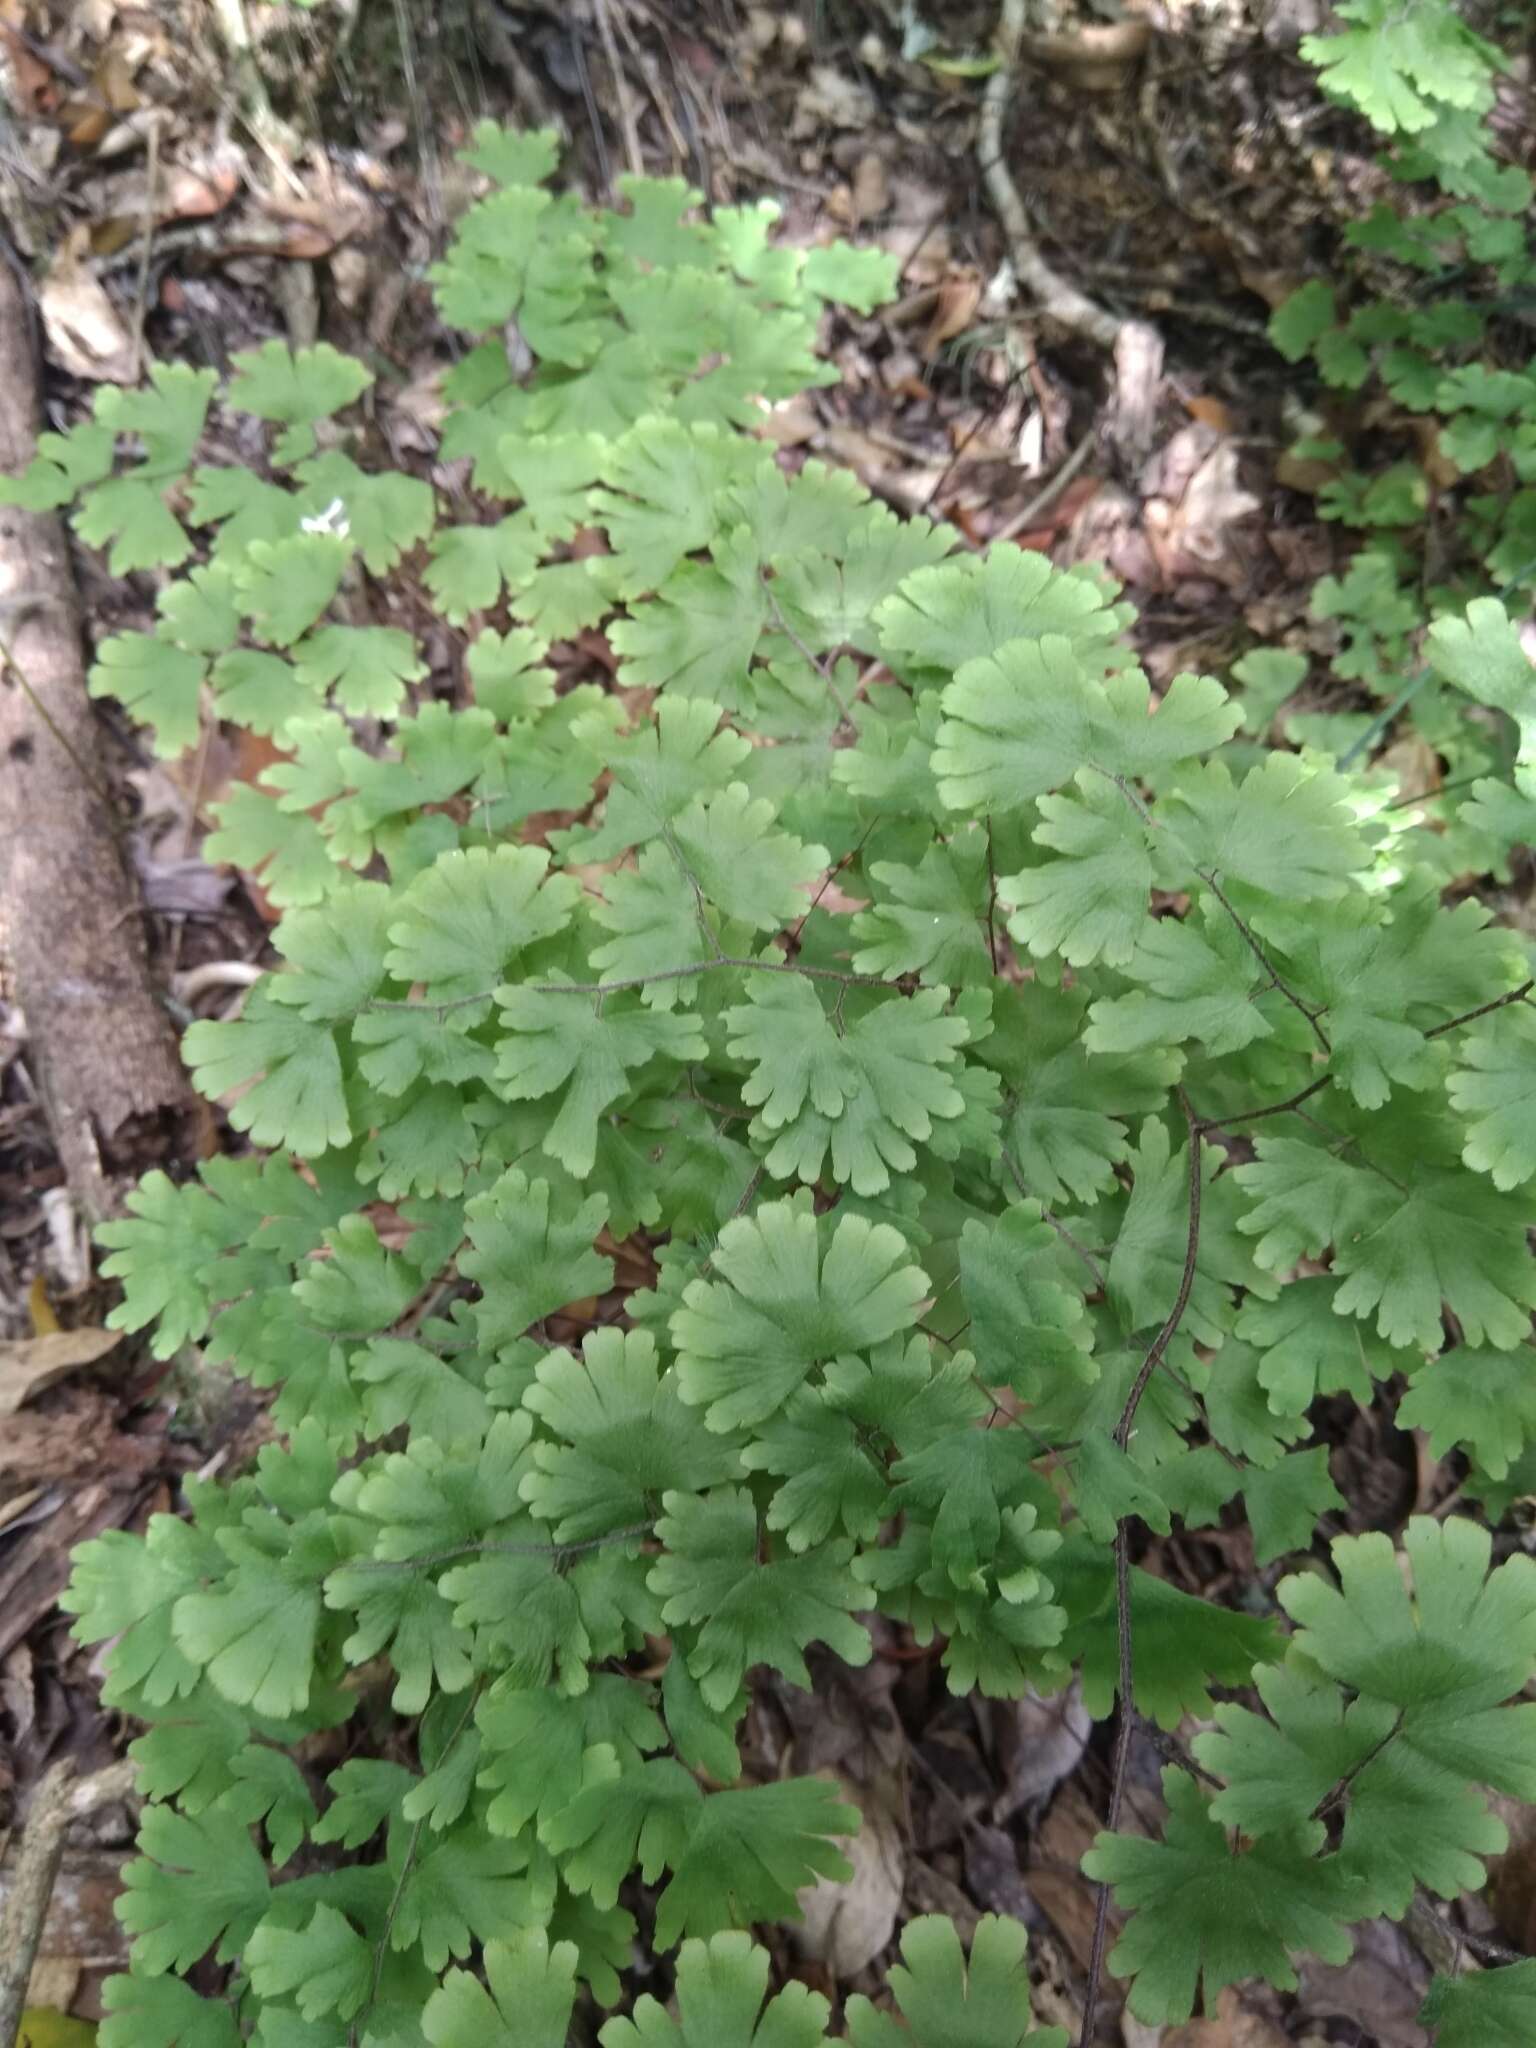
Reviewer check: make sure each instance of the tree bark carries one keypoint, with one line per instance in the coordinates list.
(101, 1048)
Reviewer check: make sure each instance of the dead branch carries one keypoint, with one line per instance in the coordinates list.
(101, 1047)
(59, 1799)
(1136, 345)
(1059, 300)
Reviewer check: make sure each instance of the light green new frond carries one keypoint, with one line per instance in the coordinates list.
(326, 1966)
(465, 919)
(368, 667)
(720, 1989)
(509, 156)
(622, 1438)
(298, 1099)
(563, 1044)
(1495, 1087)
(295, 388)
(787, 1299)
(530, 1254)
(1201, 1914)
(470, 564)
(287, 849)
(197, 1883)
(962, 610)
(158, 682)
(1482, 1401)
(532, 1989)
(199, 613)
(263, 691)
(751, 1852)
(384, 515)
(1027, 719)
(929, 920)
(1092, 903)
(132, 515)
(1462, 1639)
(1492, 2009)
(943, 2002)
(747, 1612)
(286, 585)
(1399, 68)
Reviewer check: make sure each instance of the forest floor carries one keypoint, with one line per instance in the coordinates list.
(175, 201)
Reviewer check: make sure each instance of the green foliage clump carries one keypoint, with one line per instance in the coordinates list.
(1428, 318)
(1122, 1100)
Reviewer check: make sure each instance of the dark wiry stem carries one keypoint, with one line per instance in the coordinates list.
(1123, 1430)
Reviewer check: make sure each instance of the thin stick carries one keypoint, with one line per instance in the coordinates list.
(141, 290)
(621, 91)
(1059, 1227)
(1046, 497)
(1061, 301)
(802, 649)
(1515, 995)
(59, 1799)
(1255, 946)
(1123, 1430)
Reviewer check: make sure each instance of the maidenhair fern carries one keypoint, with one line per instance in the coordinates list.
(1130, 1091)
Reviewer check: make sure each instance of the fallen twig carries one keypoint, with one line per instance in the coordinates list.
(1048, 493)
(621, 92)
(60, 1798)
(102, 1050)
(1059, 300)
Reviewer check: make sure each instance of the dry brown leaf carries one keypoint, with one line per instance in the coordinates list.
(1094, 59)
(1233, 2027)
(871, 192)
(847, 1924)
(40, 1308)
(88, 335)
(33, 81)
(1038, 1742)
(1211, 412)
(954, 310)
(30, 1365)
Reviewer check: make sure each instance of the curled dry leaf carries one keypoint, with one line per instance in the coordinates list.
(88, 336)
(847, 1925)
(1039, 1741)
(1234, 2026)
(1094, 59)
(29, 1365)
